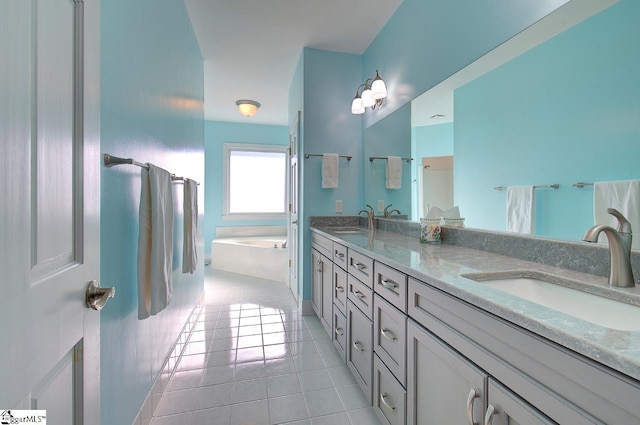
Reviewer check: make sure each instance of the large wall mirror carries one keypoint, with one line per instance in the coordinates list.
(557, 104)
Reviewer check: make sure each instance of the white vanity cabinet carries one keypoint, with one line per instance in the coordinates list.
(424, 356)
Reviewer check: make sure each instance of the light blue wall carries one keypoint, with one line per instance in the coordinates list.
(151, 110)
(566, 111)
(329, 80)
(425, 41)
(428, 141)
(390, 136)
(216, 134)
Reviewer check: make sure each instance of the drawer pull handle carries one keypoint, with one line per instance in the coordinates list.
(389, 284)
(340, 255)
(383, 399)
(339, 331)
(319, 265)
(339, 288)
(357, 346)
(359, 295)
(388, 334)
(472, 396)
(488, 418)
(360, 266)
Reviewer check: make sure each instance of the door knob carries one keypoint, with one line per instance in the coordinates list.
(96, 297)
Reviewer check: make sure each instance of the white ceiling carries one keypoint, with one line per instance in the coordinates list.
(251, 47)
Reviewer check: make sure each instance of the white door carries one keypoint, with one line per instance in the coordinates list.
(437, 183)
(49, 218)
(292, 237)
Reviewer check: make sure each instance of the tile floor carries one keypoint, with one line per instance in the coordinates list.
(253, 360)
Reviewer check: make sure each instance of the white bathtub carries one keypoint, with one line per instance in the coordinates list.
(258, 256)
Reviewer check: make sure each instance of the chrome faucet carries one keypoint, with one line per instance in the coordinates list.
(388, 213)
(620, 247)
(369, 213)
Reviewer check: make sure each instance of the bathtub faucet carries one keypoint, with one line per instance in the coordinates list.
(284, 244)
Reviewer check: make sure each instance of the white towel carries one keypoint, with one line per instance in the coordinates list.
(155, 242)
(394, 172)
(521, 209)
(190, 206)
(622, 195)
(329, 170)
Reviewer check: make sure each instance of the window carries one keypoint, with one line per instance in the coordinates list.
(255, 181)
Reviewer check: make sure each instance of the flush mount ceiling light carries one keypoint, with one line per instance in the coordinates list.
(369, 94)
(248, 108)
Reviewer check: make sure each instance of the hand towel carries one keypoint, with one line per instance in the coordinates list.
(329, 171)
(394, 172)
(521, 209)
(190, 208)
(155, 241)
(623, 195)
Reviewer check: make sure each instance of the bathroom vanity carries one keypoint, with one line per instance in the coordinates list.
(428, 344)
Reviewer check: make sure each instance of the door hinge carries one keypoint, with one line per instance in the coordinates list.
(289, 263)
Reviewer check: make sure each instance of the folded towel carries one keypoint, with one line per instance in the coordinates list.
(521, 209)
(190, 206)
(451, 213)
(622, 195)
(394, 172)
(329, 171)
(155, 242)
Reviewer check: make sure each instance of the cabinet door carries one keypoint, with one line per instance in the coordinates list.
(339, 288)
(316, 282)
(390, 337)
(507, 408)
(443, 387)
(327, 293)
(359, 347)
(340, 332)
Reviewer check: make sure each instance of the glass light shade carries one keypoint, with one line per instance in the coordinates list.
(378, 89)
(367, 100)
(248, 108)
(356, 106)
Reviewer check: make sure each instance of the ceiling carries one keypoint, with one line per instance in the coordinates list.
(251, 47)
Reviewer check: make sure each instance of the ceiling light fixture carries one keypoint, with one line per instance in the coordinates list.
(248, 108)
(373, 91)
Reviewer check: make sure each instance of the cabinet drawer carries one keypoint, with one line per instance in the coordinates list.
(322, 243)
(359, 348)
(360, 266)
(390, 337)
(340, 288)
(360, 295)
(389, 398)
(340, 332)
(391, 284)
(340, 255)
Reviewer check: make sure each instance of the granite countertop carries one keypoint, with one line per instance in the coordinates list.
(441, 265)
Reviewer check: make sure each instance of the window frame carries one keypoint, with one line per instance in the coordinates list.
(246, 147)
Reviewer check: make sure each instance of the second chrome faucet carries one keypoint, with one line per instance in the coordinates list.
(619, 239)
(369, 213)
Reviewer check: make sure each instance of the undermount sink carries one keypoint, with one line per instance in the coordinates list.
(555, 293)
(348, 230)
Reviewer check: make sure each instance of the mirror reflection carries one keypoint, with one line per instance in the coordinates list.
(558, 104)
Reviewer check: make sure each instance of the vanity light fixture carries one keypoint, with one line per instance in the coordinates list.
(369, 94)
(248, 108)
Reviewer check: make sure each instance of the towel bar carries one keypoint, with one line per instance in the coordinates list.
(552, 186)
(371, 158)
(307, 155)
(112, 161)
